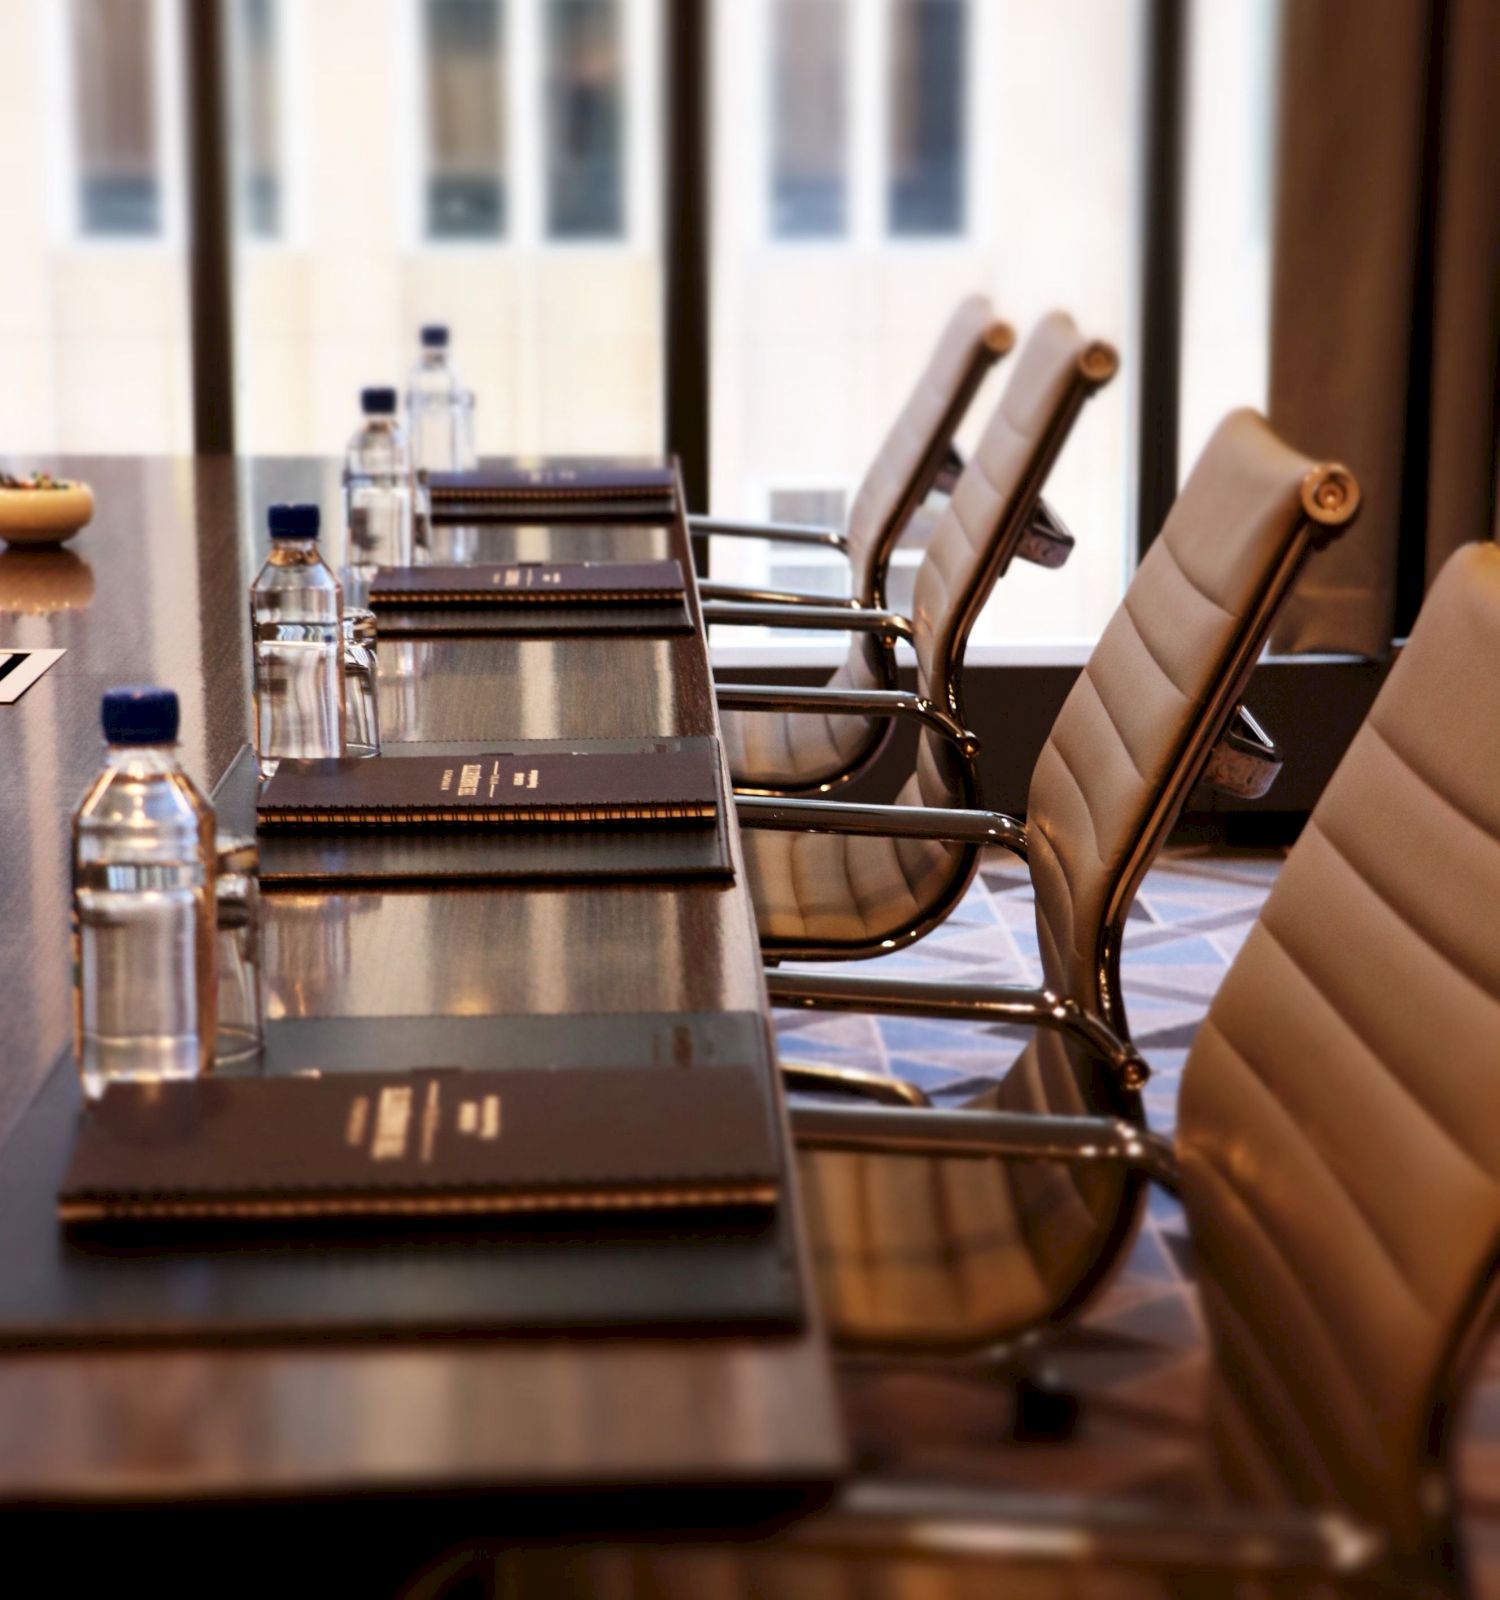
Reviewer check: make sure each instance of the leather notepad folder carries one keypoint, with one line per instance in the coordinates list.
(434, 1145)
(498, 789)
(529, 584)
(553, 490)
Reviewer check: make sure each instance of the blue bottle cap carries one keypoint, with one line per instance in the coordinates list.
(140, 714)
(434, 335)
(378, 402)
(293, 522)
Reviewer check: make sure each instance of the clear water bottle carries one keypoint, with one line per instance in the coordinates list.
(431, 396)
(377, 494)
(144, 916)
(297, 630)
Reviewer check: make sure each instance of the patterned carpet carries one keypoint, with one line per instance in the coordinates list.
(1137, 1357)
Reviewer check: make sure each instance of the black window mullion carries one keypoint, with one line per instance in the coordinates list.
(1159, 367)
(685, 245)
(209, 222)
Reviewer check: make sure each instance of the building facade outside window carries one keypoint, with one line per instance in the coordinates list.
(258, 109)
(465, 190)
(927, 118)
(585, 142)
(809, 63)
(117, 144)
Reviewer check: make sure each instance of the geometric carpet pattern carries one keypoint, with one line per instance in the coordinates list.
(1136, 1357)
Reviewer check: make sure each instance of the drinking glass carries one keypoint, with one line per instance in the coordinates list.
(241, 1027)
(361, 702)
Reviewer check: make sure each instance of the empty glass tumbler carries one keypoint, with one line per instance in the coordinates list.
(241, 1024)
(361, 690)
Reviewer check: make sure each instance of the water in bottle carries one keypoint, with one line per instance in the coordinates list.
(144, 919)
(297, 629)
(377, 495)
(431, 396)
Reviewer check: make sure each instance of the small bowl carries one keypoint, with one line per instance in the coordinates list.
(44, 516)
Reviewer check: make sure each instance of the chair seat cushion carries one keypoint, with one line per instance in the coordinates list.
(793, 751)
(826, 888)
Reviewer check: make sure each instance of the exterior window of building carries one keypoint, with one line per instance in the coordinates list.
(926, 111)
(114, 97)
(465, 183)
(585, 121)
(810, 119)
(258, 109)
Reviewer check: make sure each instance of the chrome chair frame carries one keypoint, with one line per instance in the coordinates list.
(1330, 500)
(959, 1520)
(998, 341)
(1032, 532)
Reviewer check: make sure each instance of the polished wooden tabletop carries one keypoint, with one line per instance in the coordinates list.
(156, 592)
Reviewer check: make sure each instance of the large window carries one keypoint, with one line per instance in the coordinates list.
(491, 164)
(497, 165)
(465, 77)
(919, 190)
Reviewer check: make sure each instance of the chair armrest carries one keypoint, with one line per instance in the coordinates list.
(1013, 1135)
(749, 594)
(775, 532)
(975, 1524)
(847, 702)
(895, 822)
(970, 1002)
(951, 470)
(829, 618)
(1246, 761)
(1046, 541)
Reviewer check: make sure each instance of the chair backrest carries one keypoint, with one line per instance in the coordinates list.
(1339, 1127)
(1159, 687)
(1124, 753)
(975, 539)
(911, 455)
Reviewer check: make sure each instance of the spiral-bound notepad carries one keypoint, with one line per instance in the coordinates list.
(670, 784)
(554, 491)
(529, 584)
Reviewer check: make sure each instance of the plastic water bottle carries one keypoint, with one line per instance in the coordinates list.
(431, 397)
(144, 919)
(377, 494)
(297, 629)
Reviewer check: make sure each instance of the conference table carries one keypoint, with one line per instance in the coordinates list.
(738, 1424)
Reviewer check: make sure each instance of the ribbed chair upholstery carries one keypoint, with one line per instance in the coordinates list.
(1338, 1158)
(789, 752)
(825, 894)
(895, 1265)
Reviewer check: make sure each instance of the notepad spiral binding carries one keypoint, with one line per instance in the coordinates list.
(508, 816)
(525, 494)
(410, 599)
